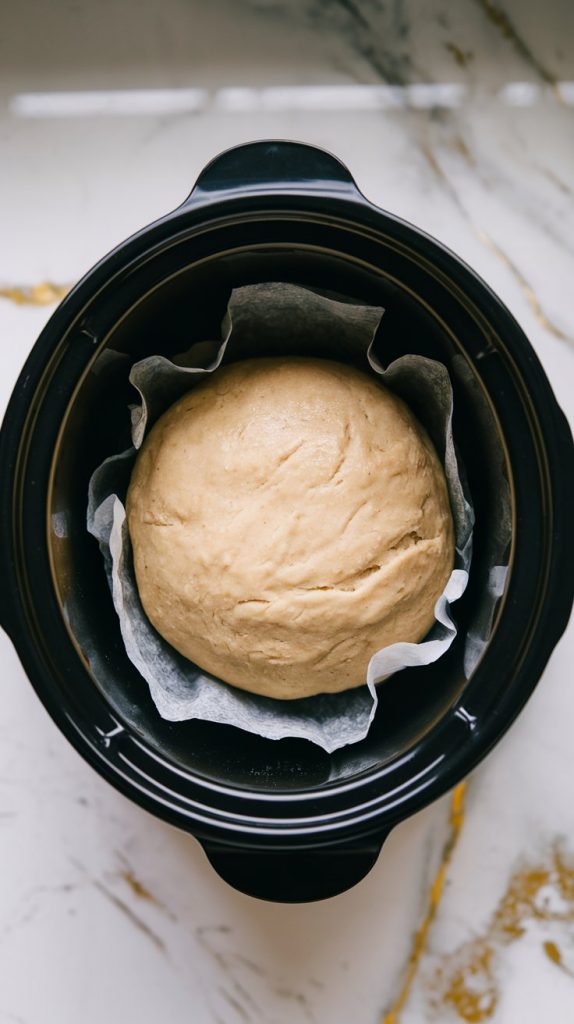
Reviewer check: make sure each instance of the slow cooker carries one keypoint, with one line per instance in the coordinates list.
(283, 820)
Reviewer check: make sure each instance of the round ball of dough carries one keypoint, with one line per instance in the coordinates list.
(289, 517)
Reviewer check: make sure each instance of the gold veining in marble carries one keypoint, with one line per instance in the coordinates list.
(462, 57)
(525, 287)
(393, 1014)
(43, 294)
(466, 981)
(552, 952)
(137, 887)
(463, 150)
(130, 914)
(428, 153)
(140, 889)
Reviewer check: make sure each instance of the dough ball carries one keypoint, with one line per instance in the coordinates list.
(289, 517)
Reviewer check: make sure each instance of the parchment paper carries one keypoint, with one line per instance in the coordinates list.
(271, 319)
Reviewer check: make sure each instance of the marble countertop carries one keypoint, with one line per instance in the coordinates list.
(460, 118)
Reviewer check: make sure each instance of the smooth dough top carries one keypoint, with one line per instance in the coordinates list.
(289, 518)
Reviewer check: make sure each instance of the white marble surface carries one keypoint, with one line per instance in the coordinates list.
(105, 913)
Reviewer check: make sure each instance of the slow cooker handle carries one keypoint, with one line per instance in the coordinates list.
(272, 166)
(297, 876)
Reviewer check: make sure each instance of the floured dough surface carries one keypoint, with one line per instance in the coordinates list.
(289, 518)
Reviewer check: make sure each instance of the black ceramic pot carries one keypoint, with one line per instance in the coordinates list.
(283, 820)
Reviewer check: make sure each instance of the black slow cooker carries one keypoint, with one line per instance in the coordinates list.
(283, 820)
